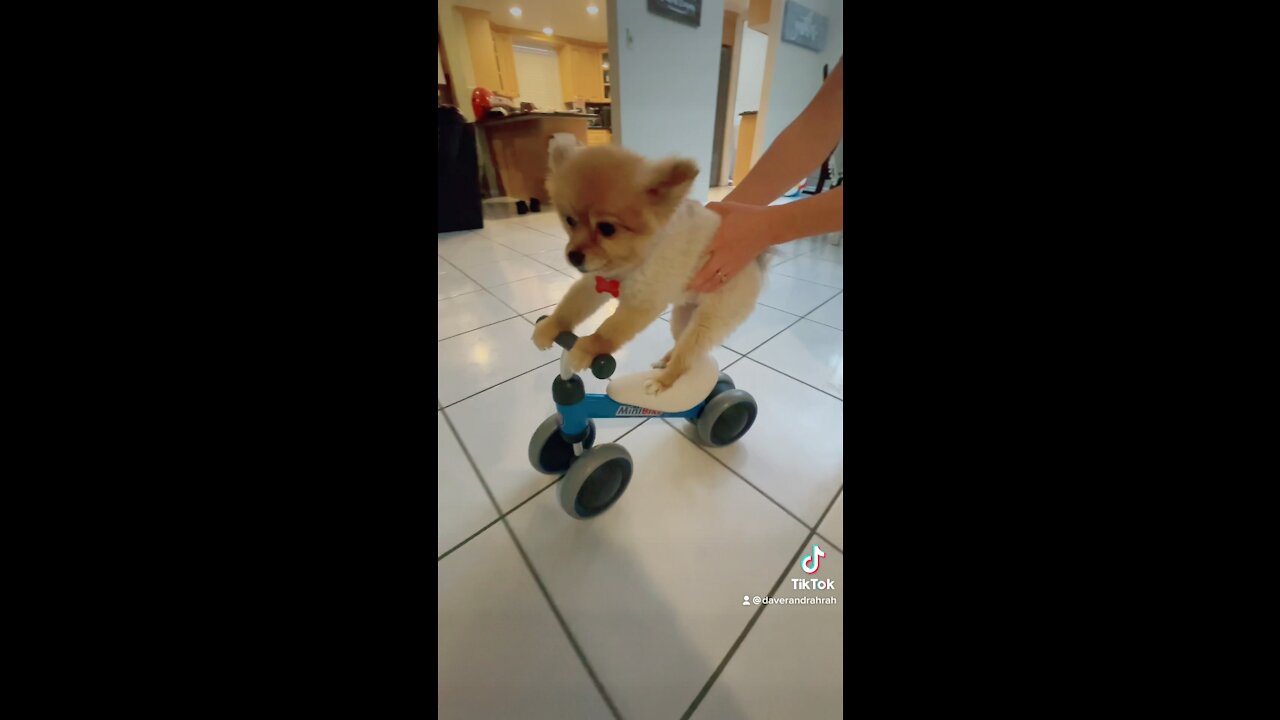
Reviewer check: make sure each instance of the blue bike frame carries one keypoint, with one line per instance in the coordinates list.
(596, 405)
(574, 418)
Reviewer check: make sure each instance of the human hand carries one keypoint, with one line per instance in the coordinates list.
(745, 231)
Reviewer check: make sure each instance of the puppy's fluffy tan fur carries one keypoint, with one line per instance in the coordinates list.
(631, 221)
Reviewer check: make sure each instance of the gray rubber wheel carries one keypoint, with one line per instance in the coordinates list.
(723, 383)
(726, 418)
(548, 452)
(595, 481)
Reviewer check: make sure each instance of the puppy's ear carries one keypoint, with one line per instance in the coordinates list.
(668, 181)
(561, 149)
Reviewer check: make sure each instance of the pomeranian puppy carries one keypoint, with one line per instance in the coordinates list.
(633, 235)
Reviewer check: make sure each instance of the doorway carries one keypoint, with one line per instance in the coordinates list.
(722, 103)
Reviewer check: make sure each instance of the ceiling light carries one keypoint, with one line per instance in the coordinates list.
(517, 11)
(592, 9)
(546, 30)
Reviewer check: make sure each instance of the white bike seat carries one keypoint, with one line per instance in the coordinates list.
(691, 389)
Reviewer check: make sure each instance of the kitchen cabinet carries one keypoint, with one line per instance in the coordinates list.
(483, 54)
(599, 137)
(581, 74)
(506, 58)
(604, 70)
(491, 55)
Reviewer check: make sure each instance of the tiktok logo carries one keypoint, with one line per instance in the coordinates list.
(805, 565)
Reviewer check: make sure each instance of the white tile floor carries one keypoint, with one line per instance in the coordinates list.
(637, 613)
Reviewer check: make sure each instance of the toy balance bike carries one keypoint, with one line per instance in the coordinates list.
(595, 476)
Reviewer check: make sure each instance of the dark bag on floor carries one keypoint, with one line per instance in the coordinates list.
(457, 174)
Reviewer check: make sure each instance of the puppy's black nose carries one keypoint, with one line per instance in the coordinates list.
(576, 259)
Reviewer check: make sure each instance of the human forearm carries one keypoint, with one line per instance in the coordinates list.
(800, 148)
(822, 213)
(791, 157)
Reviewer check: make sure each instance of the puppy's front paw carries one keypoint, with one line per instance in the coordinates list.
(544, 333)
(662, 364)
(586, 349)
(653, 386)
(579, 358)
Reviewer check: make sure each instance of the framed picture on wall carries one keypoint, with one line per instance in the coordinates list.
(804, 27)
(686, 12)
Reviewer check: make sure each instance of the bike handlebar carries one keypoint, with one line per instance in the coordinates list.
(602, 366)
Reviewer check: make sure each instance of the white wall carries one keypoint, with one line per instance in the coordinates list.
(751, 70)
(797, 71)
(665, 76)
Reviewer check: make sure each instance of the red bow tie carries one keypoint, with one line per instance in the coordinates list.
(606, 286)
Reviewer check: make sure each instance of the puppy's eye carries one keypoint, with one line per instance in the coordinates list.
(606, 229)
(571, 221)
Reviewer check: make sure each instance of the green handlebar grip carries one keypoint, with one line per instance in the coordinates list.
(602, 366)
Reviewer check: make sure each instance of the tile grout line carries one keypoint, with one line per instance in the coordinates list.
(824, 302)
(524, 502)
(573, 642)
(772, 307)
(771, 337)
(806, 280)
(836, 547)
(495, 297)
(488, 290)
(804, 317)
(472, 536)
(750, 484)
(464, 332)
(833, 297)
(833, 327)
(702, 694)
(802, 382)
(495, 262)
(531, 322)
(513, 377)
(743, 478)
(523, 253)
(527, 227)
(784, 312)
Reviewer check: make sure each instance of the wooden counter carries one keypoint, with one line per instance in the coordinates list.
(518, 149)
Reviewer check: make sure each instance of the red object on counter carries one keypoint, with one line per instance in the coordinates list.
(481, 102)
